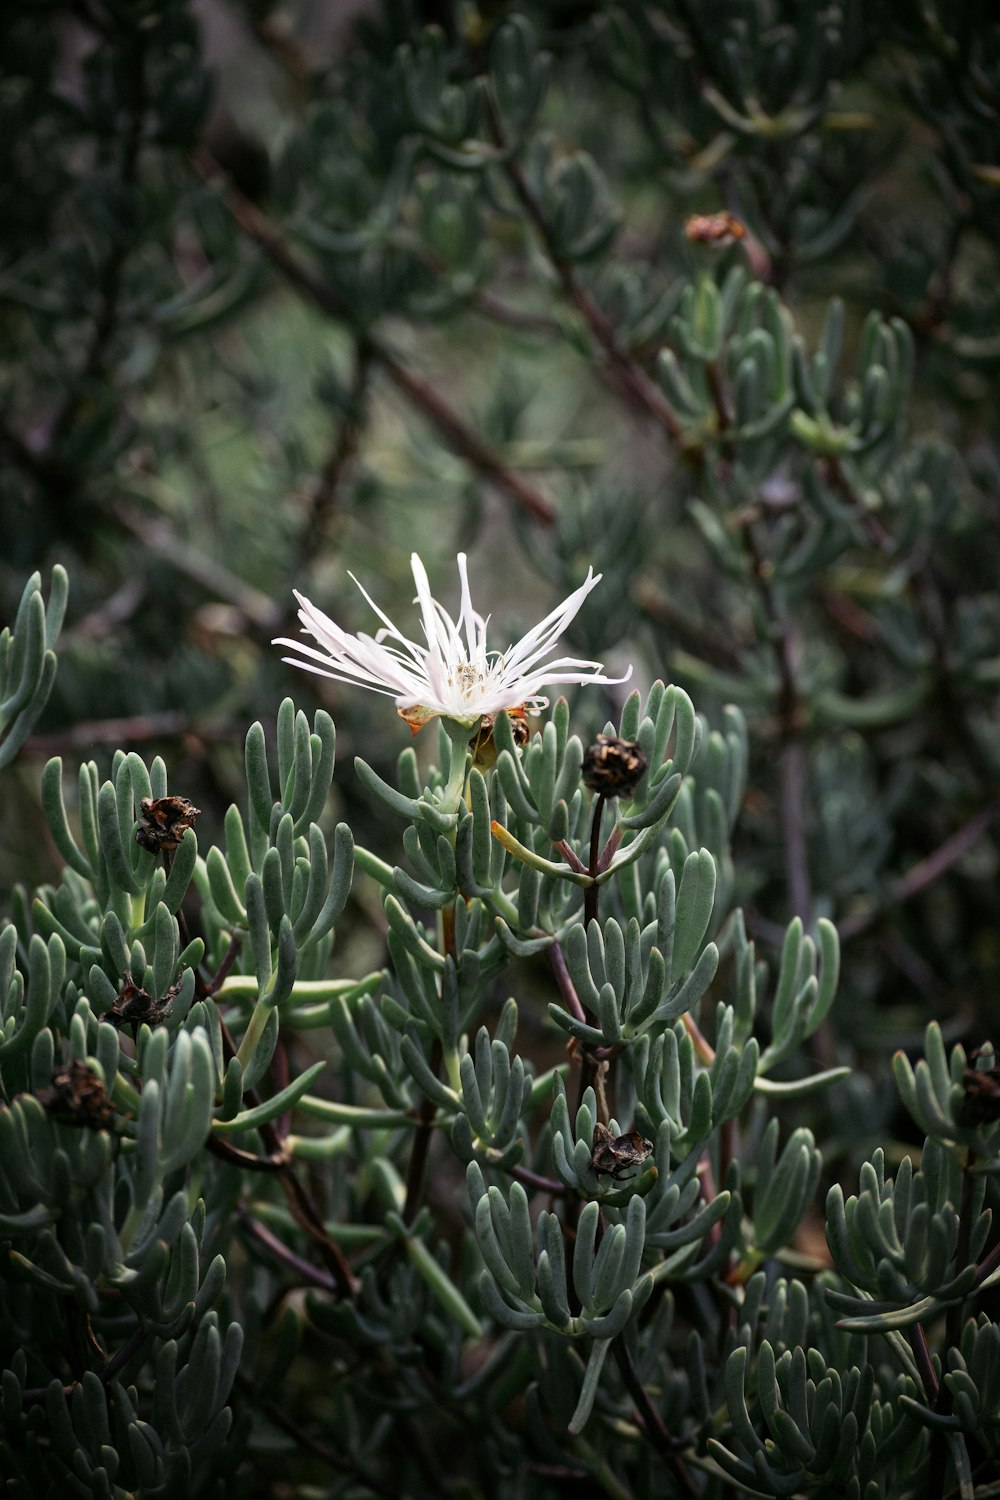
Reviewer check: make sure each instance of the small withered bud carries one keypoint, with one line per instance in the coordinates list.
(135, 1007)
(616, 1155)
(981, 1095)
(482, 744)
(613, 766)
(162, 822)
(77, 1097)
(714, 229)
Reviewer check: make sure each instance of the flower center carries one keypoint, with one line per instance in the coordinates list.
(466, 678)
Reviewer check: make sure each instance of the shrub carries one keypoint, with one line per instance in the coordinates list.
(654, 287)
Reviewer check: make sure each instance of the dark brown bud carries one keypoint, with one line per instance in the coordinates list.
(714, 229)
(612, 766)
(78, 1097)
(162, 822)
(615, 1155)
(135, 1007)
(981, 1102)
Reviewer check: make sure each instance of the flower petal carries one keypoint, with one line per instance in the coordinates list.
(454, 675)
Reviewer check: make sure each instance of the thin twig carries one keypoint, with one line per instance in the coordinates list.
(571, 857)
(699, 640)
(299, 274)
(464, 440)
(323, 496)
(417, 1165)
(304, 1269)
(649, 1418)
(592, 894)
(794, 793)
(630, 377)
(33, 1395)
(159, 537)
(943, 1402)
(330, 1456)
(485, 303)
(927, 870)
(228, 959)
(491, 307)
(922, 1355)
(421, 1142)
(566, 987)
(121, 1357)
(302, 1207)
(133, 730)
(112, 276)
(536, 1180)
(652, 1423)
(929, 598)
(789, 717)
(246, 1160)
(987, 1266)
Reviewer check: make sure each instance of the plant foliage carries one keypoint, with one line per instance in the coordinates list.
(459, 1123)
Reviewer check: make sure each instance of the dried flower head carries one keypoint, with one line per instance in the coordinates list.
(615, 1155)
(714, 229)
(454, 676)
(980, 1103)
(77, 1096)
(612, 766)
(135, 1006)
(162, 822)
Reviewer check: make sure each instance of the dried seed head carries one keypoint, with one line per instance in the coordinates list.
(614, 1155)
(613, 766)
(135, 1007)
(162, 822)
(980, 1104)
(714, 229)
(77, 1096)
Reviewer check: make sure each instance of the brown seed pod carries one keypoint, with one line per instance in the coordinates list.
(613, 766)
(616, 1155)
(162, 822)
(77, 1096)
(981, 1096)
(714, 229)
(135, 1007)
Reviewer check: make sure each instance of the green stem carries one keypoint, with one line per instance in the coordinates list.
(259, 1017)
(454, 792)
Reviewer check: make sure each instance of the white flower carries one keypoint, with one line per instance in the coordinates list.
(453, 675)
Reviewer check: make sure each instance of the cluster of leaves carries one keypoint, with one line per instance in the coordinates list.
(745, 269)
(159, 1242)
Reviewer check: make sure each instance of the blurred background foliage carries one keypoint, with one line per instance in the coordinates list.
(288, 290)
